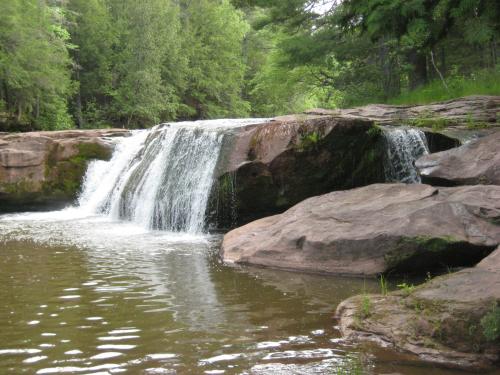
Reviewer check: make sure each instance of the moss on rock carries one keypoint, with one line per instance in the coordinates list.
(428, 253)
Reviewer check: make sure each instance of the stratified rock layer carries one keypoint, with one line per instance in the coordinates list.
(477, 162)
(374, 229)
(43, 167)
(477, 108)
(442, 321)
(269, 167)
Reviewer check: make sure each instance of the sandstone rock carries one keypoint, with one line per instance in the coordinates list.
(41, 167)
(374, 229)
(478, 108)
(270, 167)
(440, 321)
(477, 162)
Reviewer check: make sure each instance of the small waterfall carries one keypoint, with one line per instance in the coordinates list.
(159, 178)
(404, 147)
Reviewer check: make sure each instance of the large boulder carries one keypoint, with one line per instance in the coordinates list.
(47, 167)
(269, 167)
(477, 162)
(374, 229)
(452, 320)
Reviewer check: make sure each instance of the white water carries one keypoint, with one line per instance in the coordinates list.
(161, 178)
(404, 147)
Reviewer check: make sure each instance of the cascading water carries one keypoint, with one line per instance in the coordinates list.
(404, 147)
(159, 179)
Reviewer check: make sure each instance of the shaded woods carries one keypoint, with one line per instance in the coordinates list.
(100, 63)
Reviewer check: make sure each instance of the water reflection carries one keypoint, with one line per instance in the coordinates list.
(84, 295)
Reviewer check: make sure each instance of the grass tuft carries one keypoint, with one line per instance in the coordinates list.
(483, 82)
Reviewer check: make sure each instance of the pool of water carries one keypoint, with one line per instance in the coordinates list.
(88, 295)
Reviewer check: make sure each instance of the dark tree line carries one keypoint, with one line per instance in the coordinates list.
(97, 63)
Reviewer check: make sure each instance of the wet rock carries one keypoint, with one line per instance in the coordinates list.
(477, 162)
(374, 229)
(441, 321)
(272, 166)
(45, 167)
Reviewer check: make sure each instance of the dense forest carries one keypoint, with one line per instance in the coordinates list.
(128, 63)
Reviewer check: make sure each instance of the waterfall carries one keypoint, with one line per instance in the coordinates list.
(159, 178)
(404, 147)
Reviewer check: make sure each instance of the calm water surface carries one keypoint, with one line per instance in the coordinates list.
(87, 295)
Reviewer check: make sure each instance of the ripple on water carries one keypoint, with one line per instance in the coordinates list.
(116, 347)
(106, 355)
(35, 359)
(19, 351)
(303, 354)
(73, 352)
(71, 296)
(70, 369)
(221, 358)
(122, 331)
(270, 344)
(160, 356)
(117, 338)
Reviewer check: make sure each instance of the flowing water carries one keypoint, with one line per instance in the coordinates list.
(128, 282)
(160, 179)
(404, 146)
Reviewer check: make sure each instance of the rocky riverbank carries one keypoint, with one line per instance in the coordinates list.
(41, 168)
(452, 320)
(375, 229)
(321, 176)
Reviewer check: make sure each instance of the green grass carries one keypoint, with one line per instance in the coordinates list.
(350, 366)
(384, 288)
(491, 323)
(484, 82)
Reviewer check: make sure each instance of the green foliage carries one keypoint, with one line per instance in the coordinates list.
(491, 323)
(148, 37)
(482, 82)
(309, 141)
(384, 288)
(407, 289)
(366, 307)
(213, 41)
(425, 120)
(99, 63)
(35, 64)
(350, 366)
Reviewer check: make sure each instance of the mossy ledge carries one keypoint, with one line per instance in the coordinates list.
(49, 168)
(317, 155)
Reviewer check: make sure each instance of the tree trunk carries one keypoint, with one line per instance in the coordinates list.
(418, 75)
(78, 104)
(386, 69)
(494, 52)
(78, 110)
(443, 60)
(19, 112)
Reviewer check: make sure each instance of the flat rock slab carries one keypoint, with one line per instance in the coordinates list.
(48, 166)
(374, 229)
(440, 321)
(477, 162)
(478, 108)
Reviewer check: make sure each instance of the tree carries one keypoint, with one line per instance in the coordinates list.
(148, 42)
(92, 32)
(35, 64)
(213, 41)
